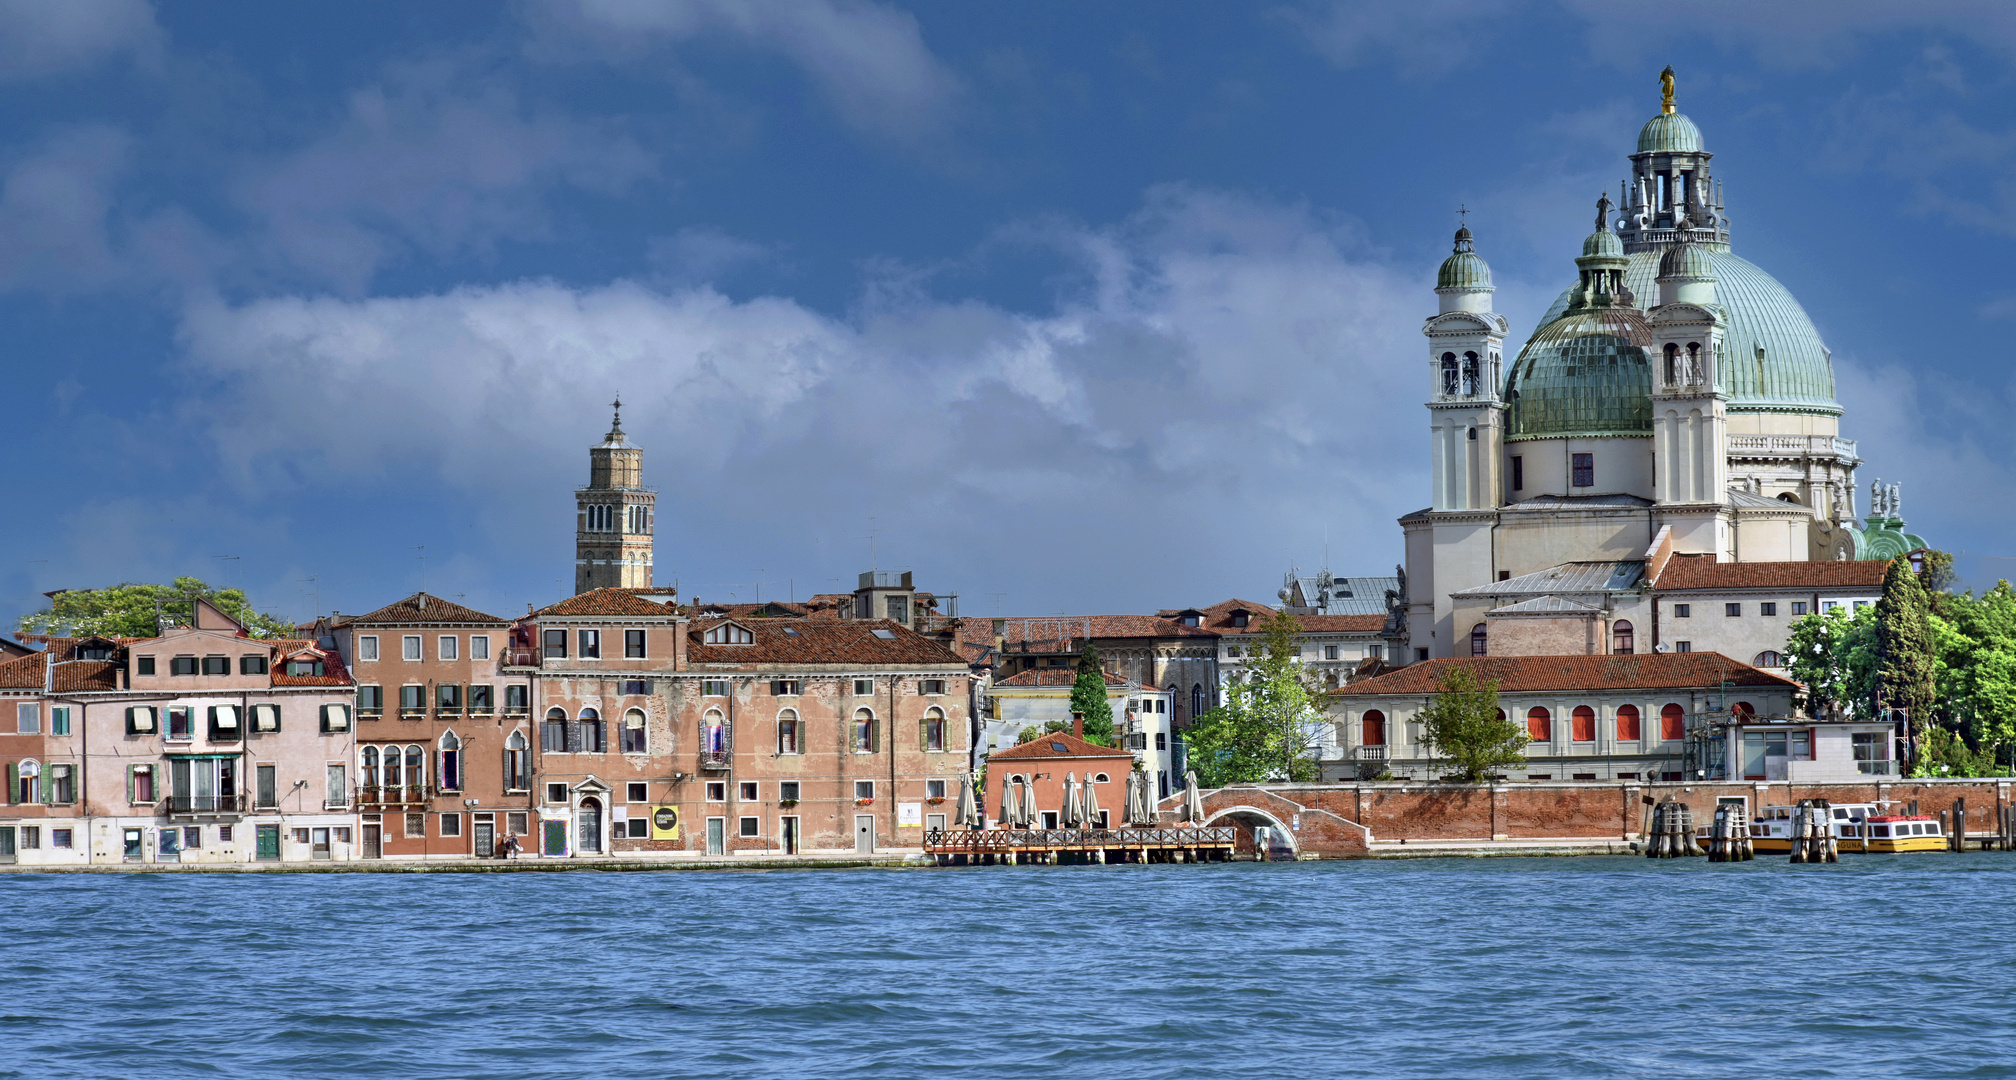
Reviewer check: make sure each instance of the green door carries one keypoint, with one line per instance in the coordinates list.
(555, 834)
(268, 842)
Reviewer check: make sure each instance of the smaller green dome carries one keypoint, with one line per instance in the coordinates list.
(1686, 261)
(1603, 242)
(1465, 269)
(1669, 131)
(1584, 374)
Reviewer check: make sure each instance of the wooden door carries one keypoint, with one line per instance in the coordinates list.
(374, 840)
(790, 836)
(554, 833)
(864, 834)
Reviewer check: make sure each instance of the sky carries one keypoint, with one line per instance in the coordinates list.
(1064, 307)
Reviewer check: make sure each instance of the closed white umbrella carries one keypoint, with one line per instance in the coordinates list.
(1074, 811)
(1133, 796)
(1193, 800)
(1091, 803)
(1143, 809)
(967, 812)
(1011, 804)
(1028, 805)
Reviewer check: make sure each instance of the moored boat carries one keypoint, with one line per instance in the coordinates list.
(1771, 831)
(1892, 833)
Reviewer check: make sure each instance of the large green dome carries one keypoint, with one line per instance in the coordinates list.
(1583, 373)
(1669, 132)
(1793, 374)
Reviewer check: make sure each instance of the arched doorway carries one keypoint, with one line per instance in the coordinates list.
(588, 818)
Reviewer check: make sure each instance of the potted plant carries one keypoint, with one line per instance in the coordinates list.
(935, 799)
(787, 803)
(864, 802)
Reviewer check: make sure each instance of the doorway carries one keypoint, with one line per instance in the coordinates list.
(136, 845)
(7, 844)
(374, 840)
(266, 842)
(590, 817)
(790, 835)
(864, 834)
(486, 836)
(318, 843)
(717, 836)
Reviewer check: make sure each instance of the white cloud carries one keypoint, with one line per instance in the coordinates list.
(55, 207)
(48, 37)
(1426, 36)
(868, 59)
(1229, 368)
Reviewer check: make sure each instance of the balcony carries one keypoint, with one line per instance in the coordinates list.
(188, 805)
(521, 658)
(395, 795)
(715, 759)
(1876, 768)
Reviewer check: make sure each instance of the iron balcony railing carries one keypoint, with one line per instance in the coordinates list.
(715, 758)
(204, 804)
(393, 795)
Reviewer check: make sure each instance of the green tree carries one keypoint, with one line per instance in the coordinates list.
(1907, 671)
(1269, 727)
(130, 610)
(1834, 655)
(1976, 644)
(1464, 725)
(1088, 697)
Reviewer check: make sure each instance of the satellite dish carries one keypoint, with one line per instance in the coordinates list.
(1661, 647)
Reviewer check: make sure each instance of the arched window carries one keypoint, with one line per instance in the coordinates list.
(1628, 727)
(864, 731)
(1477, 636)
(714, 735)
(1540, 723)
(1694, 373)
(449, 760)
(28, 781)
(1102, 778)
(1469, 374)
(517, 763)
(1788, 497)
(1372, 728)
(1621, 640)
(589, 733)
(789, 739)
(553, 731)
(1672, 722)
(1768, 658)
(590, 817)
(1449, 375)
(934, 728)
(1742, 710)
(1582, 724)
(1672, 363)
(634, 741)
(416, 767)
(367, 772)
(1197, 706)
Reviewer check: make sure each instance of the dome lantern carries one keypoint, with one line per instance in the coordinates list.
(1464, 281)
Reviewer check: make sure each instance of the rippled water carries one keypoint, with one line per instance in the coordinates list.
(1882, 965)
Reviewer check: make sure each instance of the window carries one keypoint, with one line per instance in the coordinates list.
(517, 698)
(746, 790)
(1673, 722)
(864, 687)
(633, 644)
(636, 792)
(730, 634)
(517, 763)
(714, 687)
(1518, 473)
(864, 789)
(335, 718)
(588, 734)
(306, 665)
(556, 644)
(636, 828)
(1682, 611)
(1197, 707)
(182, 665)
(337, 793)
(416, 824)
(898, 608)
(59, 720)
(1622, 641)
(1161, 740)
(633, 732)
(266, 785)
(265, 719)
(181, 722)
(934, 789)
(1449, 376)
(752, 826)
(1329, 652)
(714, 737)
(931, 687)
(451, 824)
(448, 647)
(1683, 646)
(367, 647)
(717, 791)
(1628, 727)
(1582, 724)
(448, 698)
(479, 646)
(144, 665)
(1734, 611)
(1372, 728)
(1539, 724)
(252, 664)
(61, 838)
(216, 665)
(409, 647)
(864, 731)
(636, 687)
(787, 791)
(590, 642)
(370, 700)
(1477, 637)
(934, 729)
(1767, 607)
(1798, 607)
(140, 784)
(1828, 605)
(449, 759)
(28, 718)
(482, 698)
(1768, 658)
(786, 687)
(556, 793)
(1585, 470)
(788, 736)
(411, 700)
(224, 725)
(63, 784)
(517, 824)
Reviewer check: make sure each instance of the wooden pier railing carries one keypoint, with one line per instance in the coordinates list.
(1010, 841)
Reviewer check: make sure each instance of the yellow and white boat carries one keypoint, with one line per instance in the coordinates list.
(1771, 831)
(1892, 833)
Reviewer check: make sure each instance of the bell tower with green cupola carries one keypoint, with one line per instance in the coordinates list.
(1465, 412)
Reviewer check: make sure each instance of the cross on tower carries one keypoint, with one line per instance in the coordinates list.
(1462, 218)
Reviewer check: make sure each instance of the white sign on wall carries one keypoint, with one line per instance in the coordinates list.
(909, 813)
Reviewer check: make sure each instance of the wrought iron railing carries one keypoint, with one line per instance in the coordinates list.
(204, 804)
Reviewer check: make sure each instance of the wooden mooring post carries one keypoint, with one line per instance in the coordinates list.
(1813, 833)
(1672, 831)
(1959, 841)
(1729, 835)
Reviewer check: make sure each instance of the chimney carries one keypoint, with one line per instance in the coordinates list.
(1078, 724)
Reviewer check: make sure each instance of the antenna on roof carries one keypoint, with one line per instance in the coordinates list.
(422, 557)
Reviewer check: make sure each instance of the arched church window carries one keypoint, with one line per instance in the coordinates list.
(1768, 658)
(1469, 374)
(1449, 376)
(1477, 636)
(1621, 638)
(1788, 497)
(1672, 363)
(1694, 361)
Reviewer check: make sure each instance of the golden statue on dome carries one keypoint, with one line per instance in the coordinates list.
(1666, 90)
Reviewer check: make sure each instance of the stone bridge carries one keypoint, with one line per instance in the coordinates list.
(1295, 829)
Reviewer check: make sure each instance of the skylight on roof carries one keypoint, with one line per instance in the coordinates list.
(792, 631)
(886, 635)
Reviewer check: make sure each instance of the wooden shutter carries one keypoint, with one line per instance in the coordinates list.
(13, 782)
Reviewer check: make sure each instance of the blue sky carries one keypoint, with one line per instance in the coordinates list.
(1072, 307)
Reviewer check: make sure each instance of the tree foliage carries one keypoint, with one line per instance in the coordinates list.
(1834, 655)
(1907, 676)
(1269, 727)
(129, 610)
(1977, 666)
(1464, 726)
(1088, 697)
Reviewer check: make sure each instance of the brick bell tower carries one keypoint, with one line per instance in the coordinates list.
(615, 516)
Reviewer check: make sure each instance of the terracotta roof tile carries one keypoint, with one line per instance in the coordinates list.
(82, 676)
(820, 641)
(608, 601)
(333, 673)
(1704, 572)
(23, 672)
(1342, 624)
(413, 612)
(1043, 749)
(1063, 676)
(1527, 674)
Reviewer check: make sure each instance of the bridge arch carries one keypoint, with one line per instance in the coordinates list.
(1250, 817)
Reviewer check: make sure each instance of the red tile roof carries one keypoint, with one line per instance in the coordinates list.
(1704, 572)
(23, 672)
(1528, 674)
(1063, 676)
(821, 641)
(1042, 749)
(421, 609)
(607, 601)
(83, 676)
(333, 673)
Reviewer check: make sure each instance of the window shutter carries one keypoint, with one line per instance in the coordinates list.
(129, 781)
(13, 781)
(48, 785)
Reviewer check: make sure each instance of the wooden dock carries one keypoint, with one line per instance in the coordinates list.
(1008, 847)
